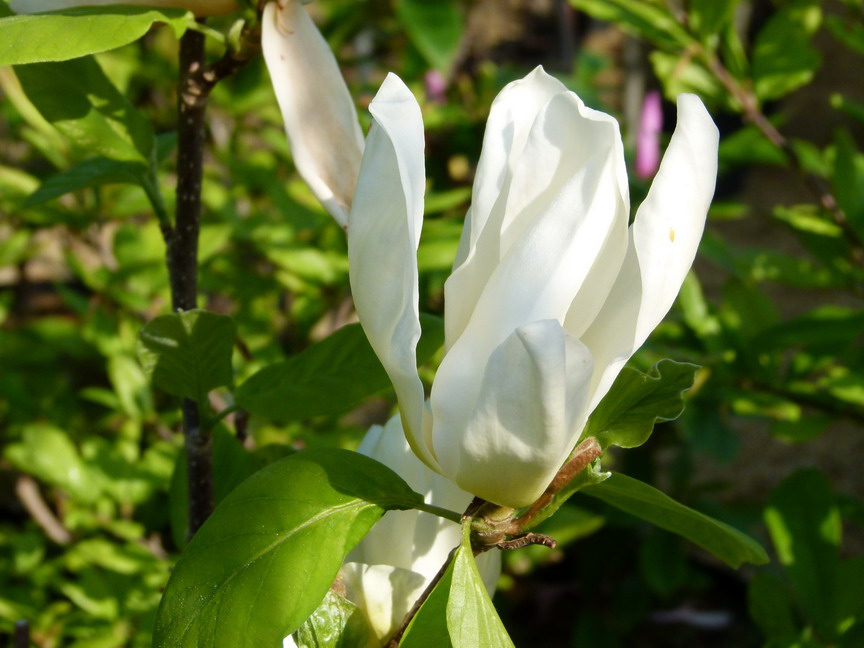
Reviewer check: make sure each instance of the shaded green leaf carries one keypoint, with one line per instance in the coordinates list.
(75, 32)
(646, 502)
(435, 28)
(627, 414)
(82, 103)
(848, 179)
(188, 354)
(771, 607)
(329, 377)
(782, 58)
(804, 522)
(90, 173)
(246, 579)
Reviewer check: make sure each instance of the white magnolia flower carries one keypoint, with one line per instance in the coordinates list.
(551, 292)
(319, 115)
(198, 7)
(386, 573)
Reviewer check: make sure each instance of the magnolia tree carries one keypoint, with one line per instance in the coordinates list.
(553, 289)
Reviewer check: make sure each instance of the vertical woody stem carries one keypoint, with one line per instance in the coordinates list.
(183, 257)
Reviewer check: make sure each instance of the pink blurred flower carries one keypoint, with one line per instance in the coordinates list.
(648, 138)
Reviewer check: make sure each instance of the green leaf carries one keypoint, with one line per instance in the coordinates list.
(645, 502)
(76, 32)
(47, 453)
(626, 415)
(329, 377)
(336, 623)
(783, 59)
(90, 173)
(83, 104)
(435, 28)
(709, 17)
(461, 598)
(265, 559)
(188, 354)
(848, 179)
(771, 608)
(650, 21)
(804, 522)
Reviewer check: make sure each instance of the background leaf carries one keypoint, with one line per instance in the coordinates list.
(643, 501)
(82, 103)
(188, 354)
(435, 28)
(75, 32)
(328, 377)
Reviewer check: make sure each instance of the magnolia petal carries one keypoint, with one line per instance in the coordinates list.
(383, 593)
(532, 398)
(507, 130)
(568, 223)
(663, 242)
(199, 7)
(385, 222)
(410, 539)
(319, 114)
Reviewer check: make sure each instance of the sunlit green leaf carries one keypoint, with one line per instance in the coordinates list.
(646, 502)
(75, 32)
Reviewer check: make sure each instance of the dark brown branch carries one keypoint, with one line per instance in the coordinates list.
(22, 635)
(183, 257)
(195, 84)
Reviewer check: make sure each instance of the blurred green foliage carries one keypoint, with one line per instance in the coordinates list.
(92, 476)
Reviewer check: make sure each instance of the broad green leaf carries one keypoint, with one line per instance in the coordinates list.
(47, 453)
(709, 17)
(782, 58)
(267, 555)
(771, 608)
(82, 103)
(804, 521)
(336, 623)
(188, 354)
(647, 20)
(687, 75)
(848, 179)
(232, 463)
(643, 501)
(90, 173)
(849, 32)
(327, 378)
(471, 617)
(460, 598)
(76, 32)
(435, 28)
(626, 415)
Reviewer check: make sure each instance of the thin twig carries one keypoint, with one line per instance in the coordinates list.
(30, 497)
(818, 187)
